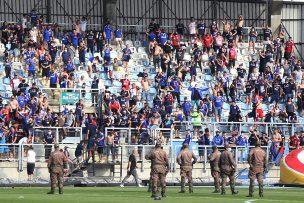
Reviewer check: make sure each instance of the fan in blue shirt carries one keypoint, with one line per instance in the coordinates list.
(107, 30)
(21, 100)
(47, 34)
(218, 140)
(53, 79)
(118, 33)
(151, 36)
(163, 38)
(74, 39)
(218, 101)
(188, 138)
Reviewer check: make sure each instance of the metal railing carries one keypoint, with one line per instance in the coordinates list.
(240, 153)
(243, 127)
(129, 135)
(64, 135)
(139, 32)
(122, 153)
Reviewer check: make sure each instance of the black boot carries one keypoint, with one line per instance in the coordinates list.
(250, 195)
(52, 192)
(153, 195)
(163, 194)
(235, 192)
(223, 192)
(60, 191)
(216, 191)
(261, 195)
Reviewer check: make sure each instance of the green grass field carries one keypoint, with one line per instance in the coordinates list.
(139, 195)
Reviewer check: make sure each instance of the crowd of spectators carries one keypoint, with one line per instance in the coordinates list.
(204, 75)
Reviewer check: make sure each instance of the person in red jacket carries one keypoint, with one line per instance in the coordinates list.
(207, 42)
(294, 142)
(125, 82)
(288, 48)
(114, 106)
(176, 38)
(232, 57)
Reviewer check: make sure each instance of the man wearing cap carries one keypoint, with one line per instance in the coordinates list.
(227, 168)
(160, 167)
(186, 159)
(57, 164)
(257, 162)
(214, 166)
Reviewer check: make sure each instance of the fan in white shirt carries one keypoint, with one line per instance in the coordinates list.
(31, 159)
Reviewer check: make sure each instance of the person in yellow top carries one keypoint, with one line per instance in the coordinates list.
(197, 121)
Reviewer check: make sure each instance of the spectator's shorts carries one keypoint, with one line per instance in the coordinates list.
(218, 111)
(30, 168)
(239, 31)
(110, 149)
(252, 39)
(232, 62)
(46, 72)
(117, 39)
(53, 85)
(201, 151)
(108, 59)
(100, 149)
(251, 115)
(78, 118)
(31, 73)
(287, 55)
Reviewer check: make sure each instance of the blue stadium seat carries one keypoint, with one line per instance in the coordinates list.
(108, 83)
(226, 106)
(116, 83)
(207, 71)
(265, 107)
(139, 105)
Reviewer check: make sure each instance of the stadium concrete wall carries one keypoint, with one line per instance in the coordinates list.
(8, 170)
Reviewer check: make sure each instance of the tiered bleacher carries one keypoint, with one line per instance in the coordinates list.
(72, 86)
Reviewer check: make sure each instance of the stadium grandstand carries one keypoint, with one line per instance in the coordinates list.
(104, 77)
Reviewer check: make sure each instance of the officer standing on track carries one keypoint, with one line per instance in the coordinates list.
(57, 164)
(186, 159)
(160, 168)
(257, 161)
(214, 158)
(227, 168)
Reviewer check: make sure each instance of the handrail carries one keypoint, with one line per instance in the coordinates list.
(229, 122)
(74, 89)
(79, 129)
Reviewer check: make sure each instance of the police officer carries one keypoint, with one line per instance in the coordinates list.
(227, 168)
(214, 158)
(186, 159)
(160, 168)
(57, 165)
(257, 161)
